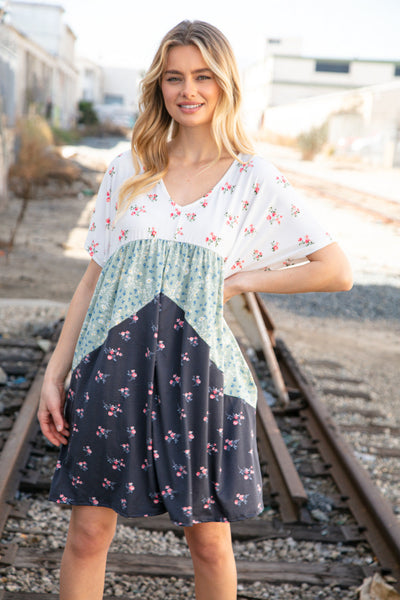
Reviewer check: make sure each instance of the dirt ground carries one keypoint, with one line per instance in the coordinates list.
(47, 261)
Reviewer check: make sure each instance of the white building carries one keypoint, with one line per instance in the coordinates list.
(38, 58)
(285, 76)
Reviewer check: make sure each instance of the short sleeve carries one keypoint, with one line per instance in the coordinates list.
(98, 238)
(279, 230)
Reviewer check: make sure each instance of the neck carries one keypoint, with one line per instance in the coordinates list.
(193, 145)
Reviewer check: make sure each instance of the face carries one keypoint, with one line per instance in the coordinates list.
(189, 87)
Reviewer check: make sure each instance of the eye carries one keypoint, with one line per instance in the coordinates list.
(172, 79)
(203, 77)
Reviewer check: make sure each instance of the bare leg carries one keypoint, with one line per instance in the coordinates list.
(83, 565)
(210, 545)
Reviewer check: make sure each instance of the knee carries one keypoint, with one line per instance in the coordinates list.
(212, 547)
(91, 534)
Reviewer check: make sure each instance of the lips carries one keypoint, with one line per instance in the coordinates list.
(190, 106)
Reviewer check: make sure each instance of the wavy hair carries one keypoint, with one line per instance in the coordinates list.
(155, 127)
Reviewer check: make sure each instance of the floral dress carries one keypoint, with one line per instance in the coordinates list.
(161, 404)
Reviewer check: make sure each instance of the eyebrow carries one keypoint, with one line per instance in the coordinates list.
(175, 72)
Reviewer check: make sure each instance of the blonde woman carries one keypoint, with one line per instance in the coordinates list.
(160, 412)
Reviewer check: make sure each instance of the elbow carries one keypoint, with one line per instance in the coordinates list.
(343, 281)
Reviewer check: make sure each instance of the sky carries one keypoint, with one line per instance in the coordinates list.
(126, 33)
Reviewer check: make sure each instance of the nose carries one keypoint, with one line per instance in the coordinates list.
(189, 88)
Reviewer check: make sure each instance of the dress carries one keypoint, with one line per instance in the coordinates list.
(161, 403)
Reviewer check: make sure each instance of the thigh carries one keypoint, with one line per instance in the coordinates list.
(209, 534)
(93, 519)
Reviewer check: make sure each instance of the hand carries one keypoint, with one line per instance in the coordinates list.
(50, 413)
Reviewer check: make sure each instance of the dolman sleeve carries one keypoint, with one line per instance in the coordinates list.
(278, 229)
(98, 238)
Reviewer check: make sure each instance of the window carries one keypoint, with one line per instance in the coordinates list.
(332, 66)
(113, 99)
(397, 71)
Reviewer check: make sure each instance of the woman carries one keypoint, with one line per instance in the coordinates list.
(160, 413)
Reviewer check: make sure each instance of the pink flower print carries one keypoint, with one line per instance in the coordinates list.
(149, 444)
(245, 205)
(212, 448)
(136, 210)
(178, 324)
(160, 345)
(134, 319)
(108, 196)
(188, 396)
(145, 465)
(185, 358)
(187, 452)
(131, 431)
(208, 502)
(156, 455)
(93, 500)
(216, 393)
(256, 188)
(76, 481)
(294, 211)
(152, 231)
(181, 412)
(230, 444)
(126, 335)
(196, 380)
(92, 226)
(191, 217)
(204, 202)
(188, 510)
(241, 499)
(123, 503)
(130, 488)
(80, 412)
(93, 248)
(116, 463)
(62, 499)
(283, 181)
(175, 380)
(148, 353)
(58, 465)
(153, 414)
(205, 418)
(78, 374)
(257, 254)
(107, 484)
(236, 418)
(250, 230)
(124, 392)
(155, 496)
(111, 172)
(125, 448)
(87, 450)
(305, 241)
(180, 470)
(238, 264)
(175, 213)
(231, 220)
(274, 246)
(244, 167)
(172, 436)
(273, 216)
(228, 187)
(193, 341)
(108, 223)
(179, 231)
(123, 235)
(82, 465)
(212, 240)
(112, 409)
(247, 473)
(131, 374)
(75, 428)
(152, 197)
(113, 353)
(168, 492)
(202, 473)
(191, 436)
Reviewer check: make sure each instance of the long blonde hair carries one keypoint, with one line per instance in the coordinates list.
(154, 126)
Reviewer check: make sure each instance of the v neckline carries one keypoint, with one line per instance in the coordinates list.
(207, 194)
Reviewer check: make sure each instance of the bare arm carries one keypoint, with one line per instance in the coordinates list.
(51, 407)
(327, 271)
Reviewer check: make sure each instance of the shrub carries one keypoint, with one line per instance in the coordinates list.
(311, 142)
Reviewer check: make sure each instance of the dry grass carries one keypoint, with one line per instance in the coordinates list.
(37, 159)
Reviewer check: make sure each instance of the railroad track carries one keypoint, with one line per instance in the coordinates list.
(315, 492)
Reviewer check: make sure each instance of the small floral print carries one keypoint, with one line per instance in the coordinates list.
(92, 226)
(231, 220)
(130, 488)
(180, 470)
(113, 353)
(256, 188)
(196, 380)
(193, 341)
(152, 231)
(168, 492)
(101, 377)
(294, 211)
(230, 444)
(131, 431)
(178, 324)
(108, 223)
(208, 502)
(228, 187)
(152, 197)
(238, 264)
(124, 392)
(179, 231)
(304, 241)
(93, 248)
(216, 393)
(175, 213)
(212, 448)
(212, 240)
(247, 473)
(102, 432)
(245, 166)
(172, 436)
(273, 216)
(82, 465)
(112, 172)
(283, 181)
(80, 412)
(107, 484)
(236, 418)
(125, 448)
(250, 230)
(191, 217)
(188, 510)
(136, 210)
(87, 450)
(123, 235)
(274, 246)
(126, 335)
(113, 409)
(116, 463)
(245, 205)
(175, 380)
(241, 499)
(202, 473)
(257, 254)
(188, 396)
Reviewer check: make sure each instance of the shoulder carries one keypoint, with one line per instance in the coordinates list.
(121, 166)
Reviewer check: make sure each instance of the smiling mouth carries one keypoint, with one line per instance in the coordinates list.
(190, 105)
